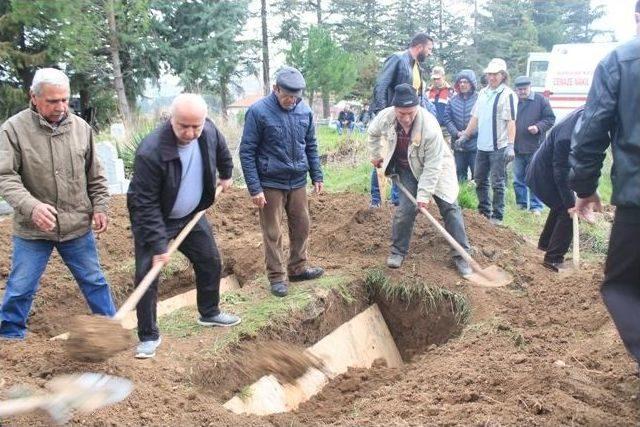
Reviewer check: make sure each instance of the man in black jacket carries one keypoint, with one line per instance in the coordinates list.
(533, 120)
(547, 177)
(611, 116)
(174, 177)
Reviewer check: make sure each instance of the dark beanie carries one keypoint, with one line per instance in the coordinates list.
(404, 95)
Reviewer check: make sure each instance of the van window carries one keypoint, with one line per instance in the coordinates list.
(538, 72)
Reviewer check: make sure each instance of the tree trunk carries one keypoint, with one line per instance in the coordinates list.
(265, 50)
(224, 101)
(114, 51)
(319, 11)
(326, 103)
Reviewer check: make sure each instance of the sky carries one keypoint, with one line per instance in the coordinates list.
(619, 18)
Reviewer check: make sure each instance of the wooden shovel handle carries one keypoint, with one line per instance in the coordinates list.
(459, 249)
(22, 405)
(382, 184)
(576, 241)
(144, 284)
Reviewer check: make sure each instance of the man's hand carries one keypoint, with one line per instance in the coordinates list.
(318, 187)
(509, 153)
(259, 200)
(377, 163)
(161, 259)
(225, 184)
(423, 205)
(586, 208)
(43, 217)
(100, 222)
(533, 129)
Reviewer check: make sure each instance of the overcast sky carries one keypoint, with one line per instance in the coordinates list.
(619, 18)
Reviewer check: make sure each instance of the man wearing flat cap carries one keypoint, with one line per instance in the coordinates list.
(424, 165)
(533, 120)
(277, 150)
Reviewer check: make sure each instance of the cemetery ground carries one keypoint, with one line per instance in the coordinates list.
(541, 351)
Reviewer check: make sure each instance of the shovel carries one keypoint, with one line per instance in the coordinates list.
(382, 184)
(490, 277)
(71, 394)
(576, 241)
(96, 338)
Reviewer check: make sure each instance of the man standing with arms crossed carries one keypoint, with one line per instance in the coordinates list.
(611, 116)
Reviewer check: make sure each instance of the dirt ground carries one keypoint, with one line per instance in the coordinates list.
(541, 351)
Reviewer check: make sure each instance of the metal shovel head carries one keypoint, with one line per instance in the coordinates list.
(89, 391)
(490, 277)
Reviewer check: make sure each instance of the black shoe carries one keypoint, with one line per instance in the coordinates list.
(309, 274)
(553, 266)
(279, 289)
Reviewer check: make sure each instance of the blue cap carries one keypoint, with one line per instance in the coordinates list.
(291, 80)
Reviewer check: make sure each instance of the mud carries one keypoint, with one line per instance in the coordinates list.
(541, 351)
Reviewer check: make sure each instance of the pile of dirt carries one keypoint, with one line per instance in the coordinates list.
(541, 351)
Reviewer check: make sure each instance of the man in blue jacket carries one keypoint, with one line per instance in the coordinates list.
(277, 150)
(533, 120)
(457, 114)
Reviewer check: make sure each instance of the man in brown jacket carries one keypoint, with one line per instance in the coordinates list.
(49, 174)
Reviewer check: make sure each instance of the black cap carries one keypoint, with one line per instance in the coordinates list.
(291, 80)
(404, 95)
(522, 81)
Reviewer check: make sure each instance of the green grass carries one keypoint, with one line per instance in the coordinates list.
(430, 296)
(329, 141)
(256, 314)
(354, 179)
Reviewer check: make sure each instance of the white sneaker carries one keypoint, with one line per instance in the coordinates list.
(147, 349)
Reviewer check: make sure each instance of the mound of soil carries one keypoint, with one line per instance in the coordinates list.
(541, 351)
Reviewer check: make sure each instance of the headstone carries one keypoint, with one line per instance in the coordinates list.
(5, 209)
(113, 168)
(118, 131)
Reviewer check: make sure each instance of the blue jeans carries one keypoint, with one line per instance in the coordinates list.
(465, 161)
(376, 199)
(28, 262)
(520, 164)
(491, 164)
(339, 127)
(405, 215)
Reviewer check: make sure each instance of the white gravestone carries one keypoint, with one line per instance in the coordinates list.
(118, 131)
(113, 168)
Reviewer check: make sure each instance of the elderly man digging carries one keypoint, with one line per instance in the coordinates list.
(174, 177)
(424, 164)
(49, 174)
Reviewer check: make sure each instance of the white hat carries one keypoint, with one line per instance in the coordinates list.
(496, 65)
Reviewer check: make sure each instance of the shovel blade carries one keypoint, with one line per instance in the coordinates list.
(490, 277)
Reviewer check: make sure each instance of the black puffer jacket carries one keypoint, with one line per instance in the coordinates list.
(548, 172)
(613, 107)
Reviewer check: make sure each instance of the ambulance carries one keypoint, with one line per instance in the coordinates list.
(564, 75)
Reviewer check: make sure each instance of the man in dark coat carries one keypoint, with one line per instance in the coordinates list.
(533, 120)
(611, 117)
(547, 177)
(174, 177)
(277, 151)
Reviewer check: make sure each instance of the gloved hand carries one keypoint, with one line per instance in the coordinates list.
(509, 153)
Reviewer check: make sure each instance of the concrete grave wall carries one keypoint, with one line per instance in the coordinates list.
(113, 168)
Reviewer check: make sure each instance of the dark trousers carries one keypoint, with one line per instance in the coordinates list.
(405, 214)
(621, 286)
(556, 236)
(465, 161)
(491, 170)
(200, 248)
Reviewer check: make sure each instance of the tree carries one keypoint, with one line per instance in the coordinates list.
(114, 51)
(202, 44)
(363, 26)
(265, 48)
(327, 68)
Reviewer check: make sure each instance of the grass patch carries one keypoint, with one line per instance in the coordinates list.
(329, 141)
(348, 178)
(430, 297)
(256, 314)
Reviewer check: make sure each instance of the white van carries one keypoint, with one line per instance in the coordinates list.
(564, 75)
